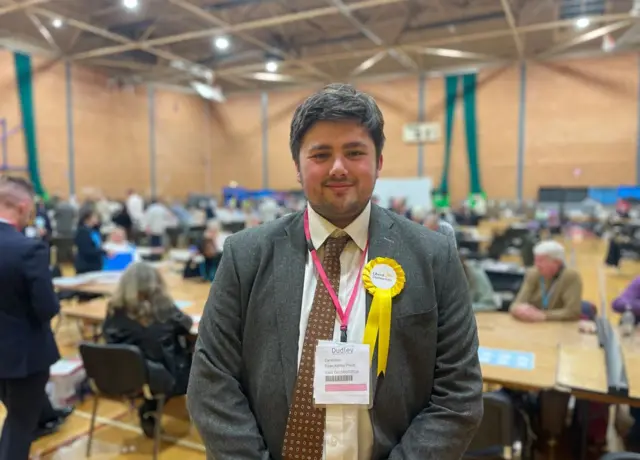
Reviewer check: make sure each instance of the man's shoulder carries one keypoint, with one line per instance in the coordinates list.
(412, 230)
(13, 242)
(532, 273)
(571, 275)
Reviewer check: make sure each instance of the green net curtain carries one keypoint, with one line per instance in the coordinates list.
(24, 80)
(469, 84)
(441, 196)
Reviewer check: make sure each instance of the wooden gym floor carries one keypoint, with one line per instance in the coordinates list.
(118, 437)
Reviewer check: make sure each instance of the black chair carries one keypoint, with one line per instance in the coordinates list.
(620, 456)
(497, 430)
(119, 371)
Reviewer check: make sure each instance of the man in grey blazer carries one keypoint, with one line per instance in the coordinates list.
(255, 333)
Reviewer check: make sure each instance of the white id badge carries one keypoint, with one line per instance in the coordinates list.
(342, 374)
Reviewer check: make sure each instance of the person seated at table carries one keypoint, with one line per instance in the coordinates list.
(142, 313)
(630, 298)
(88, 242)
(204, 263)
(418, 214)
(117, 244)
(550, 290)
(214, 233)
(436, 224)
(117, 241)
(483, 297)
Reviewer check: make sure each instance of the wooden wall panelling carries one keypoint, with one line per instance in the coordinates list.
(582, 119)
(236, 144)
(182, 144)
(282, 105)
(10, 110)
(111, 135)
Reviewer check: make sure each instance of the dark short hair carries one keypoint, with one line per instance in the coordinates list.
(18, 182)
(86, 210)
(337, 102)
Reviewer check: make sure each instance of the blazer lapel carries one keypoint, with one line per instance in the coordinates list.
(289, 262)
(382, 243)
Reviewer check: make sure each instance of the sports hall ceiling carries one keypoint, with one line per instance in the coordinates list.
(275, 43)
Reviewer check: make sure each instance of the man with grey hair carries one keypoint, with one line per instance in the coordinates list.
(551, 290)
(28, 304)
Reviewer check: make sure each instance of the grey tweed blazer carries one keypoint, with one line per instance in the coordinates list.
(428, 404)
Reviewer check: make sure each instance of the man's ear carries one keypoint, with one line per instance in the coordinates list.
(380, 161)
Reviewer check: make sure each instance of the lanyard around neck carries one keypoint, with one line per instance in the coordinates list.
(343, 313)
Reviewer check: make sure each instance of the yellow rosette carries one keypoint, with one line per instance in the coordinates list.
(384, 279)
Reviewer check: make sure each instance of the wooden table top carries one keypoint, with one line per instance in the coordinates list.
(564, 357)
(631, 354)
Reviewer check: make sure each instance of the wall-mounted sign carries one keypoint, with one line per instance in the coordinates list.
(417, 133)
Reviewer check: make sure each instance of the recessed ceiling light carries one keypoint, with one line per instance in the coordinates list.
(582, 23)
(130, 4)
(271, 66)
(57, 23)
(222, 43)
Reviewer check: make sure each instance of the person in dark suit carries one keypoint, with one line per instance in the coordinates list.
(88, 241)
(141, 313)
(275, 294)
(27, 344)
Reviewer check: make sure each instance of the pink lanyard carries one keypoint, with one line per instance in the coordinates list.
(343, 314)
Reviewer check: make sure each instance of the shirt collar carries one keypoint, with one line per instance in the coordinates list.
(320, 228)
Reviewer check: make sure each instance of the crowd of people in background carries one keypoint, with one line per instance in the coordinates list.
(142, 311)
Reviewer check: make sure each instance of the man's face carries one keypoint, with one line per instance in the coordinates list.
(547, 266)
(338, 169)
(118, 236)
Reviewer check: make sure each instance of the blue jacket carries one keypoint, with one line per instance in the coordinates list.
(28, 302)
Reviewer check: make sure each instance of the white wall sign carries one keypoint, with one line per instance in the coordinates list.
(417, 133)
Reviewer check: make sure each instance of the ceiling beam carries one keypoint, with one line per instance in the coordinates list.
(396, 54)
(438, 42)
(583, 38)
(43, 31)
(514, 30)
(108, 35)
(21, 6)
(115, 37)
(451, 53)
(203, 14)
(368, 63)
(242, 27)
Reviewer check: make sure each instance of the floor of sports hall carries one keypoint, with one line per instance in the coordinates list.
(117, 435)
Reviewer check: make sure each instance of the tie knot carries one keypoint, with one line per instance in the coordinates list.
(335, 245)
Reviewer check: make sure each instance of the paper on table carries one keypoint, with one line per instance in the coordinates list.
(182, 304)
(513, 359)
(68, 281)
(65, 367)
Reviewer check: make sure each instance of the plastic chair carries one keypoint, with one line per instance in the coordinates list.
(496, 432)
(118, 371)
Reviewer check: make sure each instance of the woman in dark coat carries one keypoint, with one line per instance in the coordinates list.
(141, 313)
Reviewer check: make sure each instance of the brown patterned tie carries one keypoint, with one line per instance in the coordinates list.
(304, 437)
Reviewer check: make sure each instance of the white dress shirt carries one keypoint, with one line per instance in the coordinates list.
(135, 208)
(348, 431)
(157, 218)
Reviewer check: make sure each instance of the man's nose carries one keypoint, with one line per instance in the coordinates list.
(338, 168)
